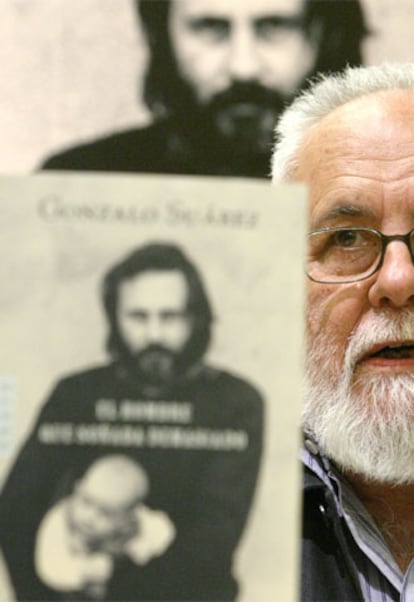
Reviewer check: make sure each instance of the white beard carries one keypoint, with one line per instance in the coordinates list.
(364, 423)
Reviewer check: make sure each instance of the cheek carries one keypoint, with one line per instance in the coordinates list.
(203, 69)
(177, 334)
(288, 63)
(334, 313)
(131, 330)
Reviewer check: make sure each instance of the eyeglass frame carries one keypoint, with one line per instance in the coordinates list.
(385, 240)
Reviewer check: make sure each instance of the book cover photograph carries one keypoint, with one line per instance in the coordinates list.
(150, 384)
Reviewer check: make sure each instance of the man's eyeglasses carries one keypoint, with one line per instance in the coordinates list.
(342, 255)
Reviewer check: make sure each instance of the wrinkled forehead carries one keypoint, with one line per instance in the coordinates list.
(233, 9)
(370, 137)
(374, 110)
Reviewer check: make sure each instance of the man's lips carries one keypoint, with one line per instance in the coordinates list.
(389, 351)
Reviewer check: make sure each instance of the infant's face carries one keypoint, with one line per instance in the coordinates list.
(97, 516)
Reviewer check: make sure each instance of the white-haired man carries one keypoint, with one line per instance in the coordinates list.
(351, 139)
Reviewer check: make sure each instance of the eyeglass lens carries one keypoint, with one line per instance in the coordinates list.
(345, 254)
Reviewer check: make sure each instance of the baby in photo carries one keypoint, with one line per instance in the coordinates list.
(104, 518)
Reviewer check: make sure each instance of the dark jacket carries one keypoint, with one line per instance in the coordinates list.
(158, 148)
(205, 488)
(327, 572)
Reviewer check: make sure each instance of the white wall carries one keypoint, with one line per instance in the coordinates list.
(70, 69)
(392, 23)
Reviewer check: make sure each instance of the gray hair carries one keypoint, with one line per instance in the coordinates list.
(325, 94)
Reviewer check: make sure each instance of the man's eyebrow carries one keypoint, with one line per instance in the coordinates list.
(279, 20)
(354, 211)
(199, 21)
(167, 313)
(136, 312)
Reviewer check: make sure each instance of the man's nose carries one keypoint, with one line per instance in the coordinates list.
(243, 57)
(153, 329)
(394, 283)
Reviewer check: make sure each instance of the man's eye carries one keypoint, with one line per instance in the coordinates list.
(172, 316)
(138, 316)
(333, 243)
(216, 29)
(348, 238)
(275, 29)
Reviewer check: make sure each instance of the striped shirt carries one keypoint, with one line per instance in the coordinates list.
(380, 578)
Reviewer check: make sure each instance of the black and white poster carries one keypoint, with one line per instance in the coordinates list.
(172, 86)
(150, 377)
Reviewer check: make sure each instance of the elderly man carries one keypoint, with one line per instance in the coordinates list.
(196, 430)
(219, 74)
(351, 139)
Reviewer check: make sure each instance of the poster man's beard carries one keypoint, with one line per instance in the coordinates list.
(240, 119)
(362, 421)
(155, 364)
(245, 115)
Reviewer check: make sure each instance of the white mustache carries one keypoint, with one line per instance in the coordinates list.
(380, 327)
